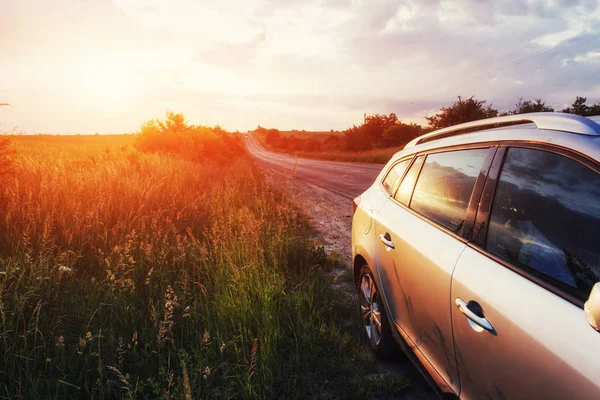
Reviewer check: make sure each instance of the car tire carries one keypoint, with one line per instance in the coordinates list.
(373, 317)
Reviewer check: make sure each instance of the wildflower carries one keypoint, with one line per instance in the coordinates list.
(48, 359)
(81, 346)
(83, 343)
(222, 348)
(206, 372)
(149, 275)
(60, 342)
(62, 270)
(186, 312)
(162, 334)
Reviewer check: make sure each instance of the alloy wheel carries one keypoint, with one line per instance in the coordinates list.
(370, 309)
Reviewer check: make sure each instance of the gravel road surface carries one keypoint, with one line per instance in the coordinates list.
(343, 178)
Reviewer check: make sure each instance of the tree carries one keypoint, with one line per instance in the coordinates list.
(332, 142)
(260, 129)
(218, 130)
(173, 135)
(368, 135)
(461, 111)
(530, 106)
(174, 123)
(580, 108)
(400, 134)
(273, 137)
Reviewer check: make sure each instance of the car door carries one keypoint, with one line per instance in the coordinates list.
(419, 244)
(518, 288)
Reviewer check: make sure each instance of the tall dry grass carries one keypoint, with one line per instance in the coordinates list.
(133, 275)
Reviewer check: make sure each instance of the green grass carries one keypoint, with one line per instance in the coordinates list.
(132, 275)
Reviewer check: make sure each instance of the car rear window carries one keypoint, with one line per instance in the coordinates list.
(545, 218)
(444, 187)
(393, 177)
(406, 187)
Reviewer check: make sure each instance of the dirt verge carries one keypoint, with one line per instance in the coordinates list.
(330, 216)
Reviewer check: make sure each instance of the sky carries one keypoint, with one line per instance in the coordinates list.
(106, 66)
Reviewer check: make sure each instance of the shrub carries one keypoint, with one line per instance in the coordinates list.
(194, 142)
(273, 137)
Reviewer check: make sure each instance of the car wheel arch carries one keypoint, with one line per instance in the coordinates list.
(359, 262)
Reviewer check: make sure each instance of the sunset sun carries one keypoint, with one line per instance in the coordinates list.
(104, 79)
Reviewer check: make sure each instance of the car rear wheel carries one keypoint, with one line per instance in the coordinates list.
(373, 317)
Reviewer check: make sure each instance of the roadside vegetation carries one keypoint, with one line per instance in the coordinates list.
(381, 136)
(155, 267)
(375, 141)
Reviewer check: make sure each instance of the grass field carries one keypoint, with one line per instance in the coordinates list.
(376, 156)
(310, 134)
(132, 275)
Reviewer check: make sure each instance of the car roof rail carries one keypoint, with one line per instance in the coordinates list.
(543, 120)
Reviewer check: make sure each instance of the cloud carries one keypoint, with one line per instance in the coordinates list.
(231, 55)
(314, 64)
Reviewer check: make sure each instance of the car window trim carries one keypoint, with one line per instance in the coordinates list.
(563, 151)
(490, 146)
(410, 159)
(482, 216)
(485, 206)
(477, 193)
(412, 189)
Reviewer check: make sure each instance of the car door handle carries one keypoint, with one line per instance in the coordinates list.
(387, 240)
(477, 322)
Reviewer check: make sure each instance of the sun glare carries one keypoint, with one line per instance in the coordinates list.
(105, 79)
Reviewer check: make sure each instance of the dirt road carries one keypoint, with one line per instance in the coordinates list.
(324, 191)
(345, 179)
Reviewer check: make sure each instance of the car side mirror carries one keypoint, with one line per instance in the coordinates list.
(592, 308)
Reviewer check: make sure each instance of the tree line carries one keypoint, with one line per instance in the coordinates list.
(382, 131)
(466, 110)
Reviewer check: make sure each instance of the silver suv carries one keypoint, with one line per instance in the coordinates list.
(477, 250)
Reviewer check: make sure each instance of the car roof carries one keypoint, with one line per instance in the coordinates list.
(587, 144)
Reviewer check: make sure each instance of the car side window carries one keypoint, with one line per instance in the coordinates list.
(390, 182)
(545, 218)
(406, 187)
(444, 187)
